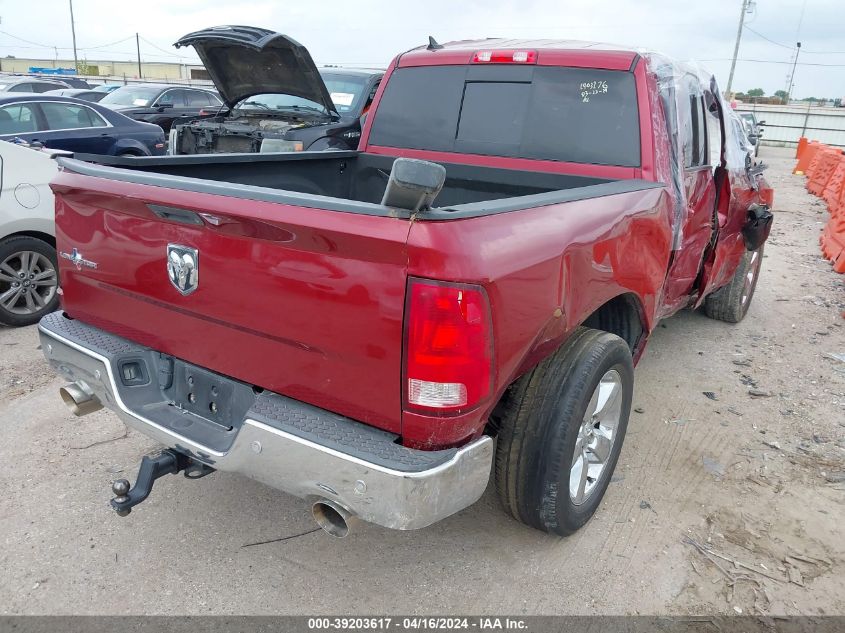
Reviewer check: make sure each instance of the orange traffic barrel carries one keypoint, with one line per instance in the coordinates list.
(809, 153)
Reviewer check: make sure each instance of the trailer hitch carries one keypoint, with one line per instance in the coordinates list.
(167, 462)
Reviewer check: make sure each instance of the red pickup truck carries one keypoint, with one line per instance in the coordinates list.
(376, 331)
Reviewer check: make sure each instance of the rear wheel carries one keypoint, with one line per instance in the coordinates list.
(561, 430)
(730, 303)
(28, 280)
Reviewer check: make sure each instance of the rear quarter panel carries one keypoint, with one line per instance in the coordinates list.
(545, 270)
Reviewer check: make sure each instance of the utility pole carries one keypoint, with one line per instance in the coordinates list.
(736, 48)
(73, 34)
(792, 74)
(138, 48)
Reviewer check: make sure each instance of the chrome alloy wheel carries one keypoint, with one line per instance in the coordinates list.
(596, 436)
(28, 282)
(751, 276)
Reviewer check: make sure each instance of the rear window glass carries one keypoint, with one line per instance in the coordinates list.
(579, 115)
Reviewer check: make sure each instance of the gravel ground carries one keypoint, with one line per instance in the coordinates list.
(756, 481)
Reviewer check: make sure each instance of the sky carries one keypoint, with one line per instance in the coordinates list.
(371, 32)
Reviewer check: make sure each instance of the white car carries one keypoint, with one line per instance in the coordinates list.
(28, 264)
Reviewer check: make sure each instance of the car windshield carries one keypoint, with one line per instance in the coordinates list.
(140, 96)
(345, 92)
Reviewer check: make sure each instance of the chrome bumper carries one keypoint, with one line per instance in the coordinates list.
(394, 498)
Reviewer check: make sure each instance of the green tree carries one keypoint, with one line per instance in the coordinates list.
(756, 92)
(781, 94)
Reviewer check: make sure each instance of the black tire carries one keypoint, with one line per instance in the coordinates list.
(541, 420)
(730, 303)
(17, 312)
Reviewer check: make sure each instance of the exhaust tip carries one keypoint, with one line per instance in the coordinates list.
(80, 399)
(332, 518)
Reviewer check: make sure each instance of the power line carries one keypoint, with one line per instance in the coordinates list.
(771, 41)
(66, 48)
(15, 37)
(169, 54)
(758, 34)
(172, 54)
(770, 61)
(92, 48)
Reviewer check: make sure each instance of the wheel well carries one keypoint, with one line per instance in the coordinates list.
(622, 316)
(44, 237)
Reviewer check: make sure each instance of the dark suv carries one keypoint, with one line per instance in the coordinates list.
(161, 104)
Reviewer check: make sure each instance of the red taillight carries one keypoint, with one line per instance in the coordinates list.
(505, 57)
(448, 347)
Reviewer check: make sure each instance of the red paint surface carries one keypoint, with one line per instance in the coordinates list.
(304, 302)
(309, 303)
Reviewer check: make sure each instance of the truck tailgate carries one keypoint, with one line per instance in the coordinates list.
(304, 302)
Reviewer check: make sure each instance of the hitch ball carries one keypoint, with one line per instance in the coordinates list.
(120, 488)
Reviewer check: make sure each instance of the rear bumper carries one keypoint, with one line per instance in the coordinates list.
(305, 451)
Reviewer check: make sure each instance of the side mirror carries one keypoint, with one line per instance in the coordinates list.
(163, 106)
(413, 184)
(761, 123)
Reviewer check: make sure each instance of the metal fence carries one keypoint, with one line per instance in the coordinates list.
(785, 124)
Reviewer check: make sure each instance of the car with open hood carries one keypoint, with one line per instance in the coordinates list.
(276, 99)
(161, 104)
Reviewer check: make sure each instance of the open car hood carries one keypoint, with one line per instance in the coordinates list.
(244, 61)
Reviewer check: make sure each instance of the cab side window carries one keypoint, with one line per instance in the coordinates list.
(694, 128)
(65, 116)
(198, 98)
(19, 118)
(714, 129)
(174, 97)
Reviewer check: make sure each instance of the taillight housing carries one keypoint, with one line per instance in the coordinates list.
(448, 347)
(505, 57)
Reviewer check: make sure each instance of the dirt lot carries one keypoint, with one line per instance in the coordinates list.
(757, 480)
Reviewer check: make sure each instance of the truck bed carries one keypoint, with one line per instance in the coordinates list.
(302, 274)
(349, 181)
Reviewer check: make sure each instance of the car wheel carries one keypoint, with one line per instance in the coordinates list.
(730, 303)
(560, 432)
(28, 280)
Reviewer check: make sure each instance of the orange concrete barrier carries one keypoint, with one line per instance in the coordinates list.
(833, 190)
(810, 151)
(818, 178)
(832, 239)
(802, 144)
(833, 243)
